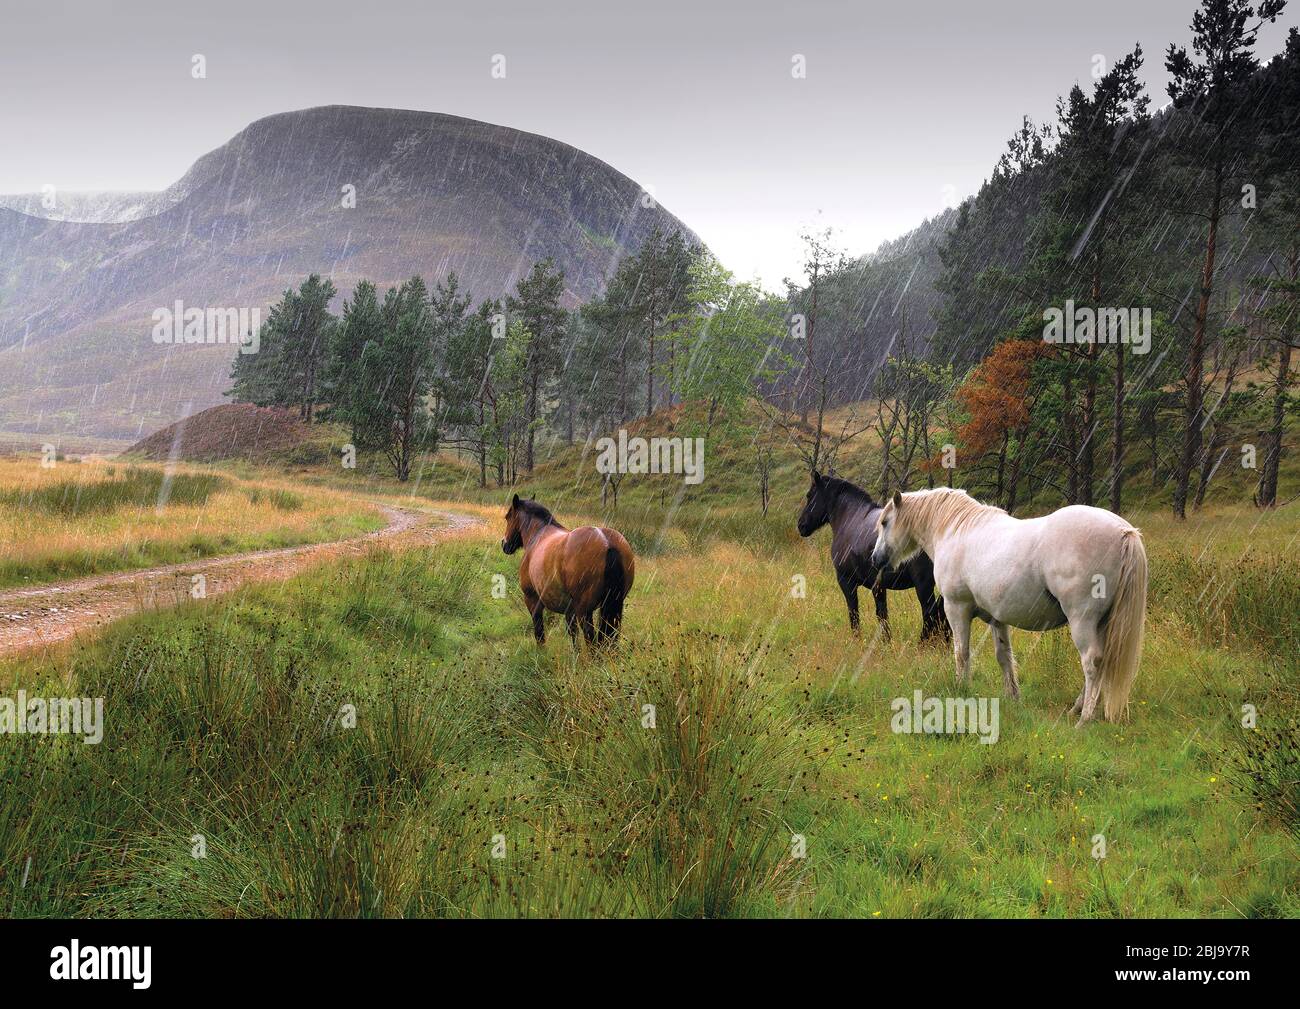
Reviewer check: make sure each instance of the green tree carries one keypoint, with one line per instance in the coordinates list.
(466, 383)
(536, 304)
(389, 406)
(289, 365)
(1102, 137)
(448, 314)
(729, 342)
(1279, 224)
(361, 329)
(508, 396)
(1209, 84)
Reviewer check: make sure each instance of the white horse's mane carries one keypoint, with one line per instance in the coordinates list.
(941, 509)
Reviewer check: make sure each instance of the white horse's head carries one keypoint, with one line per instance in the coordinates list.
(895, 542)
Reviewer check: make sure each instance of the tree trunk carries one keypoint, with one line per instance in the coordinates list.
(1088, 453)
(1273, 460)
(1013, 482)
(1218, 435)
(650, 368)
(532, 417)
(1071, 440)
(1089, 425)
(672, 370)
(622, 381)
(1117, 447)
(821, 416)
(1267, 497)
(1195, 376)
(809, 350)
(650, 377)
(1002, 465)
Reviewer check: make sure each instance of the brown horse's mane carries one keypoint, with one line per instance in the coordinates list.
(539, 511)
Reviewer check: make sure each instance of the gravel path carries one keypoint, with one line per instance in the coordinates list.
(36, 618)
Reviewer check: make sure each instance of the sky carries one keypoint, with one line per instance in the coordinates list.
(902, 108)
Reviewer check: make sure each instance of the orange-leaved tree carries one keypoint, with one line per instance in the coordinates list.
(998, 398)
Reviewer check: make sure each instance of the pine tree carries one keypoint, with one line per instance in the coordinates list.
(290, 363)
(466, 382)
(536, 304)
(360, 330)
(1208, 85)
(389, 405)
(1279, 215)
(1102, 136)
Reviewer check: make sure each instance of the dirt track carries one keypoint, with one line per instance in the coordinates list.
(46, 615)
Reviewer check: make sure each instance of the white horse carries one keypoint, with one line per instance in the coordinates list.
(1082, 566)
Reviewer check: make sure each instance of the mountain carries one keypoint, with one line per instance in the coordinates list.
(80, 282)
(89, 208)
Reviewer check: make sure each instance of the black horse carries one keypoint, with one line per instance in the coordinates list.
(852, 515)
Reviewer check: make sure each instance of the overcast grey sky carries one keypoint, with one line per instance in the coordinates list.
(905, 106)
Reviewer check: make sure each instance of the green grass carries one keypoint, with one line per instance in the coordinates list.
(226, 720)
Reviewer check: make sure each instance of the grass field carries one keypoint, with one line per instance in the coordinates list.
(85, 518)
(364, 739)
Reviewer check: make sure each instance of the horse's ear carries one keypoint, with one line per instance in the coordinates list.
(515, 502)
(897, 500)
(817, 478)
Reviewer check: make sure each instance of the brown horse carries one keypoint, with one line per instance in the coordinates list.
(569, 572)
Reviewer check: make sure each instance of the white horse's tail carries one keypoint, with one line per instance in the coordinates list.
(1125, 625)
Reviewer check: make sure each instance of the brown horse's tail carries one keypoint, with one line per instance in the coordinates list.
(611, 604)
(1124, 627)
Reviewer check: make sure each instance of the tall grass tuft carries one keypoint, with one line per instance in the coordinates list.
(277, 497)
(1264, 761)
(1253, 602)
(687, 811)
(134, 488)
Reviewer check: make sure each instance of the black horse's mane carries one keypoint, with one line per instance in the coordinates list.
(839, 485)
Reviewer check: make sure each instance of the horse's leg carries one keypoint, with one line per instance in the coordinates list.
(611, 617)
(571, 624)
(1002, 645)
(959, 617)
(932, 618)
(929, 608)
(937, 618)
(850, 590)
(534, 604)
(928, 626)
(1088, 640)
(588, 627)
(879, 593)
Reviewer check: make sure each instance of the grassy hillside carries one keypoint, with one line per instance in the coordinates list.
(232, 723)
